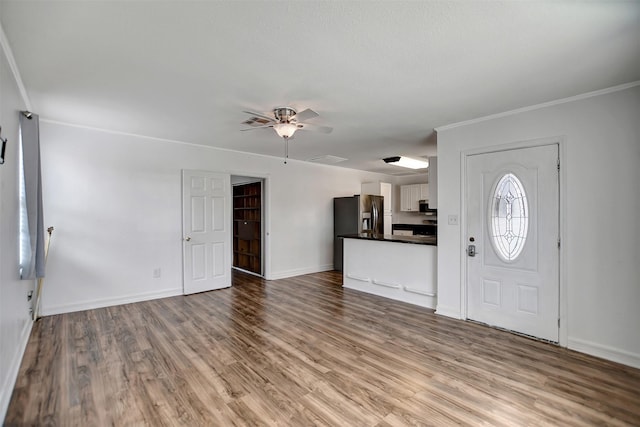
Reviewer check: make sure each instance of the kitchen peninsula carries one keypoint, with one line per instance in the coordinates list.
(397, 267)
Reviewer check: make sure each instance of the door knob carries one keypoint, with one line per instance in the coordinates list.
(188, 238)
(471, 250)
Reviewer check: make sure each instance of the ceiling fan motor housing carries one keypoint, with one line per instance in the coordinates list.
(284, 114)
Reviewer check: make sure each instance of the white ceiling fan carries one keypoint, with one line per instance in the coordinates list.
(285, 121)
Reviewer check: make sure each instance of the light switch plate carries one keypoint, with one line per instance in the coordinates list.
(452, 219)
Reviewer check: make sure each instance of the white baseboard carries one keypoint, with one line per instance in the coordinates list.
(14, 368)
(108, 302)
(605, 352)
(444, 310)
(299, 272)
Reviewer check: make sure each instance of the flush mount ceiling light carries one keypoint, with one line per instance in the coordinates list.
(406, 162)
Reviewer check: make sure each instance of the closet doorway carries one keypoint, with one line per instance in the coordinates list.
(248, 219)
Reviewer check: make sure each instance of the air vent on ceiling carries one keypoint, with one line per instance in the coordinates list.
(327, 159)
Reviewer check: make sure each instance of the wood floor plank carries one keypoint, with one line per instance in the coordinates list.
(304, 351)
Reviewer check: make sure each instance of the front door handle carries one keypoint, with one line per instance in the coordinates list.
(471, 250)
(188, 238)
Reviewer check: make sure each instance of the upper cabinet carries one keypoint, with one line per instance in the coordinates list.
(411, 194)
(380, 189)
(433, 183)
(424, 192)
(406, 198)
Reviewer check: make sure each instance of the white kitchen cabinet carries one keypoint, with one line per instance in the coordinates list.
(386, 191)
(405, 198)
(388, 223)
(411, 194)
(424, 192)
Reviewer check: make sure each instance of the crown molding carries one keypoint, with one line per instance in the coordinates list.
(539, 106)
(196, 145)
(8, 53)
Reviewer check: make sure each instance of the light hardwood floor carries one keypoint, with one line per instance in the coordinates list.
(302, 352)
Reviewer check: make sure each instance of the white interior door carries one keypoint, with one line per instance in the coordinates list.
(206, 198)
(513, 224)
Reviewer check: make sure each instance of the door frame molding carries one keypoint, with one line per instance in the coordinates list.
(266, 217)
(560, 141)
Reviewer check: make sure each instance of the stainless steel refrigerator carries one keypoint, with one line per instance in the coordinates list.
(354, 215)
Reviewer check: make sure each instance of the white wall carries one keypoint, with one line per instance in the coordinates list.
(115, 203)
(601, 226)
(15, 320)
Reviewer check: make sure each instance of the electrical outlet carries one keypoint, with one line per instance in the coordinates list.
(157, 272)
(452, 220)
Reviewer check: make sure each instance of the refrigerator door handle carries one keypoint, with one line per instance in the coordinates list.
(374, 217)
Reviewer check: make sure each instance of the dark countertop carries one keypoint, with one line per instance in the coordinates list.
(421, 228)
(418, 240)
(410, 226)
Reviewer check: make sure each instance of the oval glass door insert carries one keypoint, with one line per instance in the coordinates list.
(509, 217)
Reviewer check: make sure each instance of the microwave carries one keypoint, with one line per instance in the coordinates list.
(424, 207)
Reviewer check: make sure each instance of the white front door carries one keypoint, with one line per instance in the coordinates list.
(206, 231)
(512, 237)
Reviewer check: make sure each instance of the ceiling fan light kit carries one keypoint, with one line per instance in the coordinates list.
(285, 130)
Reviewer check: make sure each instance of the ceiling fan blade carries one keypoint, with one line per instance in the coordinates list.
(258, 122)
(264, 116)
(305, 115)
(258, 127)
(314, 128)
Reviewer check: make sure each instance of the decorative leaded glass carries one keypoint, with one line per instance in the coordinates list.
(509, 215)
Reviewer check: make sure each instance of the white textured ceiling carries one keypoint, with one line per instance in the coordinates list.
(382, 74)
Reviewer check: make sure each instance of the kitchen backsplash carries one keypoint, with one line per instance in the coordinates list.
(411, 218)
